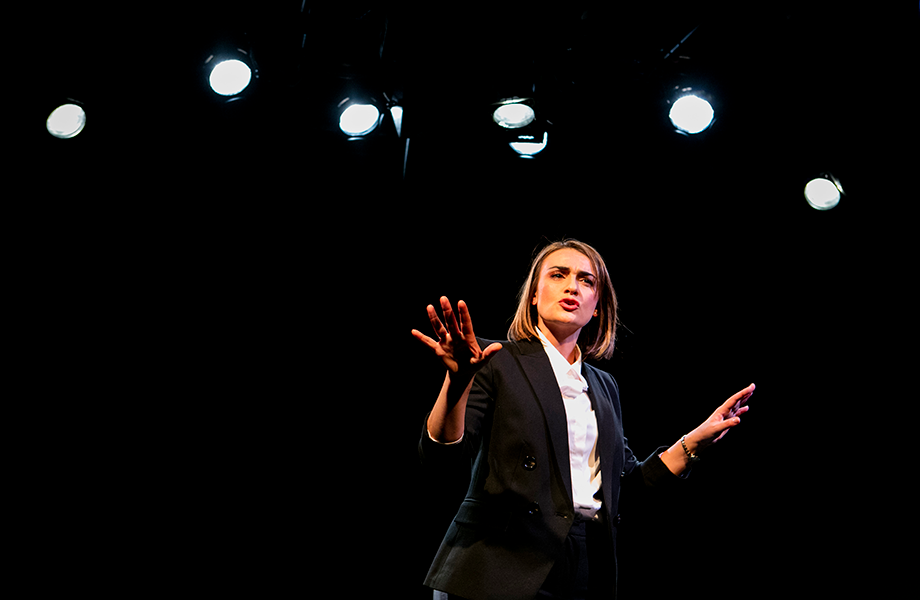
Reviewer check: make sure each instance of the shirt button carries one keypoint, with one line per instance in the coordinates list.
(530, 463)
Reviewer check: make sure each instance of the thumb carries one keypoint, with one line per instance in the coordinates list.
(492, 349)
(486, 355)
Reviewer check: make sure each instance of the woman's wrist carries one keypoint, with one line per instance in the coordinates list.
(689, 449)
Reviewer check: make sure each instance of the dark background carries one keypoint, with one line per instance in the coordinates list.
(218, 391)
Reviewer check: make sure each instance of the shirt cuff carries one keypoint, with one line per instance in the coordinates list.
(442, 443)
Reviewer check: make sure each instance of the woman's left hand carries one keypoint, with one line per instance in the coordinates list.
(717, 425)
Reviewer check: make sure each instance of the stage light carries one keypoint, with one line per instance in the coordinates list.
(823, 193)
(691, 114)
(359, 119)
(230, 70)
(230, 77)
(528, 146)
(66, 121)
(513, 113)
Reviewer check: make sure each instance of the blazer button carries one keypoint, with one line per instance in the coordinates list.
(530, 463)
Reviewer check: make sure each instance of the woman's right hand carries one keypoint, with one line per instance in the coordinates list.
(456, 345)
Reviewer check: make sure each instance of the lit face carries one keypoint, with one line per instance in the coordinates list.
(566, 295)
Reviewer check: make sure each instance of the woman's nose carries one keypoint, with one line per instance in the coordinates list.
(571, 285)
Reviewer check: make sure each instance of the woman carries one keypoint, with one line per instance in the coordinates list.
(544, 431)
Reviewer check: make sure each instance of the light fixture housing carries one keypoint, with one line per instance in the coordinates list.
(514, 113)
(67, 120)
(520, 125)
(528, 146)
(358, 118)
(230, 77)
(231, 73)
(824, 192)
(691, 111)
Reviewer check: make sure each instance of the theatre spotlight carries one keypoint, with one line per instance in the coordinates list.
(230, 77)
(529, 146)
(519, 127)
(230, 73)
(691, 112)
(358, 120)
(66, 121)
(824, 192)
(513, 113)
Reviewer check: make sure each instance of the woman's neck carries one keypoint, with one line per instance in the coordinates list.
(566, 345)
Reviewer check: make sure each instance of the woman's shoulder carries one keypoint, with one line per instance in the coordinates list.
(601, 376)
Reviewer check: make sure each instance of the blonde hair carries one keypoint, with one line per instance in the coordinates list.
(598, 336)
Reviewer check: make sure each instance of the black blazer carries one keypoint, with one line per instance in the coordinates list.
(511, 526)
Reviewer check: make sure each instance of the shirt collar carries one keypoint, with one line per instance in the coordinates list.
(561, 366)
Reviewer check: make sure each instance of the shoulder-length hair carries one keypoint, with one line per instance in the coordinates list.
(598, 336)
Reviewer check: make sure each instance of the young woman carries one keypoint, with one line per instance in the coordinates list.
(544, 432)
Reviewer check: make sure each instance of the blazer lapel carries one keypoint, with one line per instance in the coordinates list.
(539, 372)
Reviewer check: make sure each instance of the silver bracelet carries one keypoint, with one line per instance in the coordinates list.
(692, 457)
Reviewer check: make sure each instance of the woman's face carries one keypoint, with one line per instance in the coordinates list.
(566, 292)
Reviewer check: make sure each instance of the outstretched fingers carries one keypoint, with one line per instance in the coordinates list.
(728, 415)
(737, 403)
(466, 322)
(450, 318)
(456, 342)
(428, 341)
(440, 332)
(436, 324)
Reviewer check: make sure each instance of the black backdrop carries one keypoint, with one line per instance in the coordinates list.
(218, 389)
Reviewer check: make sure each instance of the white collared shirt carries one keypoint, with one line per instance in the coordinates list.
(582, 428)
